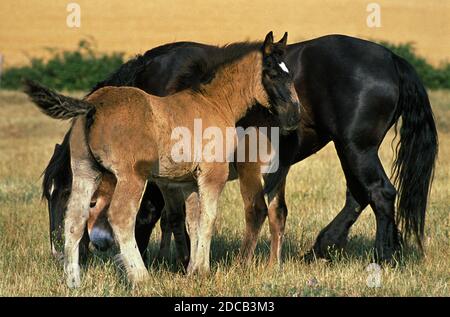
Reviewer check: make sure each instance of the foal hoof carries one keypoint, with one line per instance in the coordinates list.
(197, 270)
(73, 282)
(137, 278)
(73, 279)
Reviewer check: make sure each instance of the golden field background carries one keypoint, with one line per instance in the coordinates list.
(134, 26)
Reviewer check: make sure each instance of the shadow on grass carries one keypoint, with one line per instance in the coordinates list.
(225, 252)
(362, 248)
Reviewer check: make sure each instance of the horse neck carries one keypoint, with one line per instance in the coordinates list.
(236, 87)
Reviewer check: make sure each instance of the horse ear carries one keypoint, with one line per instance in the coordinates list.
(283, 41)
(268, 44)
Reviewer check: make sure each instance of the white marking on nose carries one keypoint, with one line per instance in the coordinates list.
(284, 67)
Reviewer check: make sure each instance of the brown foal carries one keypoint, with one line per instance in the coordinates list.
(139, 146)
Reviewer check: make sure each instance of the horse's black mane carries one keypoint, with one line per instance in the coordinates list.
(127, 73)
(196, 69)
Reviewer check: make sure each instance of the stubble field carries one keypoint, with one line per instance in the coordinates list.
(315, 193)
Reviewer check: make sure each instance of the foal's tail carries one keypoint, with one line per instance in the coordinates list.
(416, 152)
(53, 104)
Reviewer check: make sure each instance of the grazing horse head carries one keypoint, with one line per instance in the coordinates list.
(278, 82)
(99, 230)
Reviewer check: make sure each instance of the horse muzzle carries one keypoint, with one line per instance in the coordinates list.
(101, 239)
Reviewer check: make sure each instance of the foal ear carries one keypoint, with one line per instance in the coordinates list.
(268, 44)
(283, 41)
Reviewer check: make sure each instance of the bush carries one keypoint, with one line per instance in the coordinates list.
(70, 70)
(432, 77)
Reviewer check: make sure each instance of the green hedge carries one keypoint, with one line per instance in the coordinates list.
(432, 77)
(83, 68)
(69, 70)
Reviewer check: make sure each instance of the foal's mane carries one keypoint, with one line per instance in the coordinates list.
(198, 71)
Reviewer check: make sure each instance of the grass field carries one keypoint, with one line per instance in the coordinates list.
(315, 193)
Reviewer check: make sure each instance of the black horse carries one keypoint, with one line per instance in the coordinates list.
(352, 92)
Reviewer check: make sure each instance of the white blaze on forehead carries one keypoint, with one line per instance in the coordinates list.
(284, 67)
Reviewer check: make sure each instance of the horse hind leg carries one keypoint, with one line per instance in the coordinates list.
(122, 217)
(84, 184)
(85, 179)
(334, 236)
(369, 184)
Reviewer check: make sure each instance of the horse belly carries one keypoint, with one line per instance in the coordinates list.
(169, 170)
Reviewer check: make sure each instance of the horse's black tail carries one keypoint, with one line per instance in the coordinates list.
(413, 168)
(53, 104)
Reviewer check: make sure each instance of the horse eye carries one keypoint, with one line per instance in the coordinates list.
(272, 73)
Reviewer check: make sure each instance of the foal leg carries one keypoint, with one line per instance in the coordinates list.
(334, 235)
(192, 203)
(277, 223)
(254, 205)
(84, 184)
(211, 180)
(122, 216)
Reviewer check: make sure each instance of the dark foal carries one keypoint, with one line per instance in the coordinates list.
(352, 91)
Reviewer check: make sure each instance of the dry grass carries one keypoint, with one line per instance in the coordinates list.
(29, 26)
(315, 193)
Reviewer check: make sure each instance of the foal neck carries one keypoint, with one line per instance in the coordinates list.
(237, 87)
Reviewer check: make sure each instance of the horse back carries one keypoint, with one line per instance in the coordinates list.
(347, 87)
